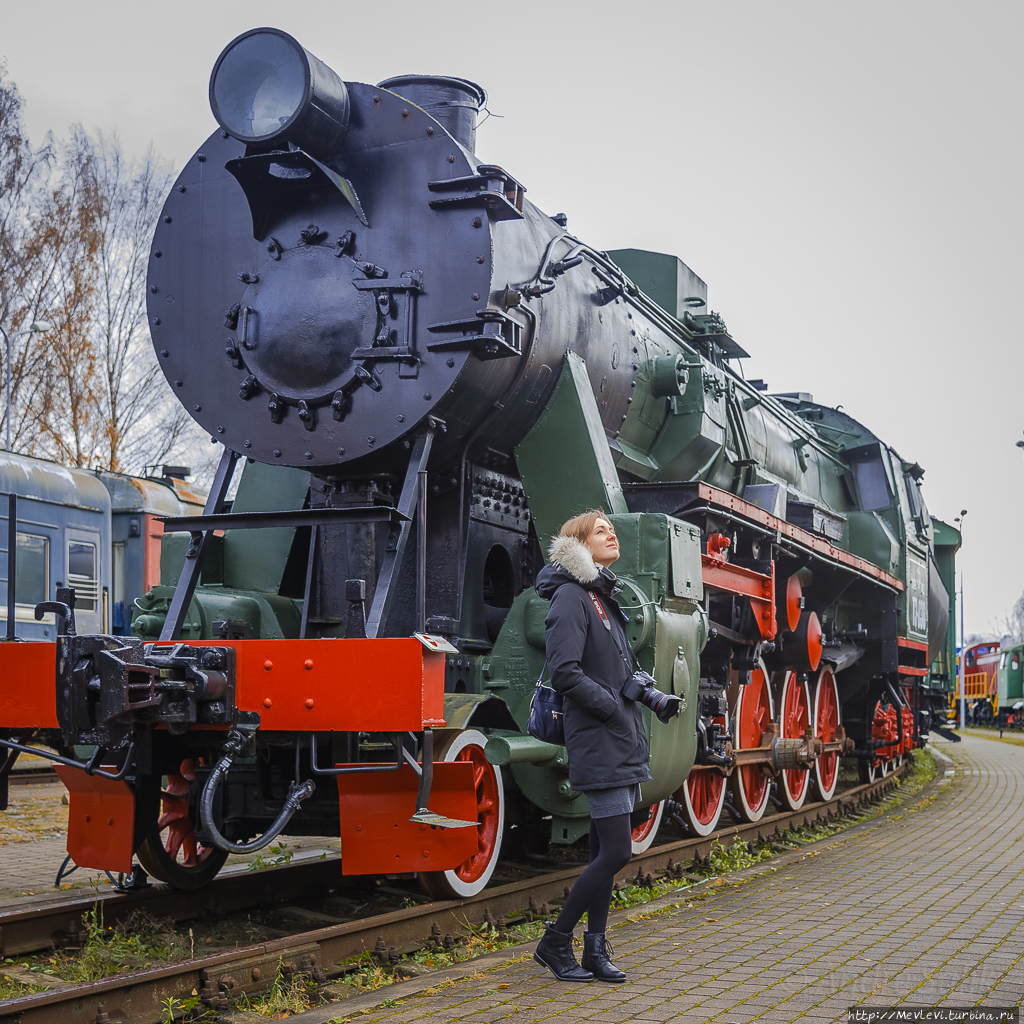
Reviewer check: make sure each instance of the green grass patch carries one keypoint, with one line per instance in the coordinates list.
(139, 941)
(10, 989)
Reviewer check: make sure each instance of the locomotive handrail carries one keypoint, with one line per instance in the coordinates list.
(287, 518)
(356, 769)
(89, 767)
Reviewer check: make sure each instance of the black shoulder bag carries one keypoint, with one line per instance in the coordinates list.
(546, 721)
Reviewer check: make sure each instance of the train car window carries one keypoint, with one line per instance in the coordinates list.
(82, 574)
(119, 585)
(1015, 663)
(32, 570)
(970, 657)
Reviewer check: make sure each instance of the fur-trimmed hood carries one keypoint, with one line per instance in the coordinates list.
(575, 558)
(571, 561)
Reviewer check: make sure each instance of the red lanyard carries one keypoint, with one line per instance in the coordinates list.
(608, 626)
(600, 610)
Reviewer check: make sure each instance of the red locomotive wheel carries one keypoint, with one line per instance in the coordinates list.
(171, 852)
(753, 711)
(643, 834)
(472, 875)
(885, 730)
(826, 724)
(703, 796)
(795, 711)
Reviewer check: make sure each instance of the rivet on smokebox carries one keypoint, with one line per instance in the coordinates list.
(308, 663)
(309, 703)
(268, 664)
(267, 702)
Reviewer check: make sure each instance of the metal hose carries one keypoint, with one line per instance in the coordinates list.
(296, 794)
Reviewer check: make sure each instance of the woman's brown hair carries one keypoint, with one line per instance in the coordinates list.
(582, 526)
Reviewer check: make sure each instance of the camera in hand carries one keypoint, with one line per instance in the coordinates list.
(640, 687)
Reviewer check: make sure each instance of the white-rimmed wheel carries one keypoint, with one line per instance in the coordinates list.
(473, 874)
(826, 723)
(751, 715)
(644, 833)
(794, 720)
(703, 797)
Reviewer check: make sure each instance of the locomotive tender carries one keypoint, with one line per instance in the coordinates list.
(425, 375)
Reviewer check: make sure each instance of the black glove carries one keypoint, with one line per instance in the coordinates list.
(640, 687)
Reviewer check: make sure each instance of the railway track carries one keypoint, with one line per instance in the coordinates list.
(136, 997)
(31, 776)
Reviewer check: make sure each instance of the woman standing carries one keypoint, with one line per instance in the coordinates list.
(589, 659)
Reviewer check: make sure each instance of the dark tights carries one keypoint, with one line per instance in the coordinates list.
(610, 851)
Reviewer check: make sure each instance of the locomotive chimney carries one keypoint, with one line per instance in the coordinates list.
(455, 102)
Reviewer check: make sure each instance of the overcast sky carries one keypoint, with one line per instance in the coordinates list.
(844, 175)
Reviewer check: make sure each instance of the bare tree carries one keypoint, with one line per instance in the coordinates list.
(24, 172)
(67, 225)
(76, 228)
(1012, 624)
(144, 423)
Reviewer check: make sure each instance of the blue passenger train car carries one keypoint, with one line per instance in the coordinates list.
(88, 529)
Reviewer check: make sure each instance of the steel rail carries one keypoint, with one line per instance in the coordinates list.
(136, 997)
(31, 776)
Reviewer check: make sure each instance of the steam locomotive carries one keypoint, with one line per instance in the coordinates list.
(422, 376)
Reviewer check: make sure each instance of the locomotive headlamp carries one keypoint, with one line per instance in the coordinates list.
(266, 87)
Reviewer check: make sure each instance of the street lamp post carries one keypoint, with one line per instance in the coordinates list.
(963, 651)
(37, 328)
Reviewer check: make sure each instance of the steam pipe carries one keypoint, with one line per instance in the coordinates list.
(296, 794)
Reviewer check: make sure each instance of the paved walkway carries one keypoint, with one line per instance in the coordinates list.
(918, 907)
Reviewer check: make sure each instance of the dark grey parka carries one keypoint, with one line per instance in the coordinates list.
(589, 658)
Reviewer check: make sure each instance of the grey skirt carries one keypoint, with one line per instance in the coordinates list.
(606, 803)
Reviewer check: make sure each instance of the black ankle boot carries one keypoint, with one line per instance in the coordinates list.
(596, 958)
(554, 951)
